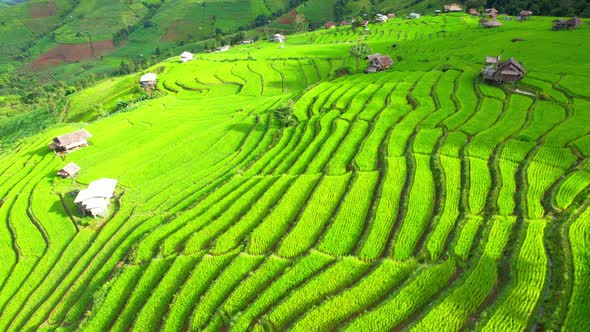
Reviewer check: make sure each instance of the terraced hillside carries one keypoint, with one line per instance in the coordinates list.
(417, 198)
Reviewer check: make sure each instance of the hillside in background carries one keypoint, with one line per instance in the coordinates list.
(277, 187)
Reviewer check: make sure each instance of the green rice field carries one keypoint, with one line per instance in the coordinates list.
(415, 199)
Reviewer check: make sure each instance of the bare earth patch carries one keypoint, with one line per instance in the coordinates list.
(42, 9)
(289, 18)
(71, 53)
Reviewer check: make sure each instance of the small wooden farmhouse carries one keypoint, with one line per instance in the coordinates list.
(277, 38)
(70, 142)
(473, 12)
(364, 23)
(390, 15)
(343, 23)
(222, 48)
(329, 25)
(70, 170)
(378, 62)
(437, 12)
(95, 200)
(491, 12)
(490, 24)
(570, 24)
(452, 8)
(148, 80)
(413, 16)
(502, 72)
(380, 18)
(186, 56)
(524, 15)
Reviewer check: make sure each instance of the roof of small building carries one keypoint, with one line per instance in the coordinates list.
(391, 15)
(102, 188)
(492, 24)
(473, 11)
(73, 137)
(186, 54)
(452, 7)
(525, 13)
(71, 168)
(149, 77)
(512, 61)
(330, 24)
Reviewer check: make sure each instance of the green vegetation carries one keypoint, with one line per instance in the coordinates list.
(260, 189)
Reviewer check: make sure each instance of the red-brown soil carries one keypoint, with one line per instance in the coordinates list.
(42, 9)
(71, 53)
(179, 30)
(290, 18)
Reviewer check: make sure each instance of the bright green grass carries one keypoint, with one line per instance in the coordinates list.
(416, 198)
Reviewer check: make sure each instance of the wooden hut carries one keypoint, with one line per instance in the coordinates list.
(329, 25)
(473, 12)
(148, 80)
(95, 200)
(524, 15)
(390, 15)
(70, 142)
(502, 72)
(452, 8)
(277, 38)
(380, 18)
(378, 62)
(570, 24)
(490, 24)
(70, 170)
(186, 56)
(491, 12)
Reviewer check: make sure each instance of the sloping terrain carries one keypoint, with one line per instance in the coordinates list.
(417, 198)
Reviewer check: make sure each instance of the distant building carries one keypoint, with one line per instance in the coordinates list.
(390, 15)
(329, 25)
(343, 23)
(473, 12)
(246, 42)
(70, 142)
(364, 23)
(380, 18)
(452, 8)
(70, 170)
(148, 80)
(222, 48)
(95, 200)
(277, 38)
(570, 24)
(502, 72)
(437, 12)
(490, 24)
(186, 56)
(378, 62)
(491, 12)
(524, 15)
(413, 16)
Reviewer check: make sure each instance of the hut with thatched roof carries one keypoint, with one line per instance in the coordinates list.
(508, 71)
(70, 142)
(69, 170)
(490, 24)
(148, 80)
(378, 62)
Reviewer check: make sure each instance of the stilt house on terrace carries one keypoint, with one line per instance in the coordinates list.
(277, 38)
(570, 24)
(70, 142)
(452, 8)
(148, 80)
(508, 71)
(378, 62)
(524, 15)
(70, 170)
(95, 200)
(186, 56)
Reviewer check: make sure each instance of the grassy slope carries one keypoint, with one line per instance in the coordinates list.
(212, 193)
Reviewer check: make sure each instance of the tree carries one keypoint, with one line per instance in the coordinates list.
(359, 51)
(285, 114)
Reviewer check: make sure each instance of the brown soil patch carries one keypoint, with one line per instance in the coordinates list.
(179, 30)
(290, 18)
(71, 53)
(42, 9)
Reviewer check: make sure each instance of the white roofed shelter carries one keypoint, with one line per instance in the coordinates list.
(186, 56)
(95, 199)
(148, 80)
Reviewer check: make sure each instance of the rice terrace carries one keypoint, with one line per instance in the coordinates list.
(279, 186)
